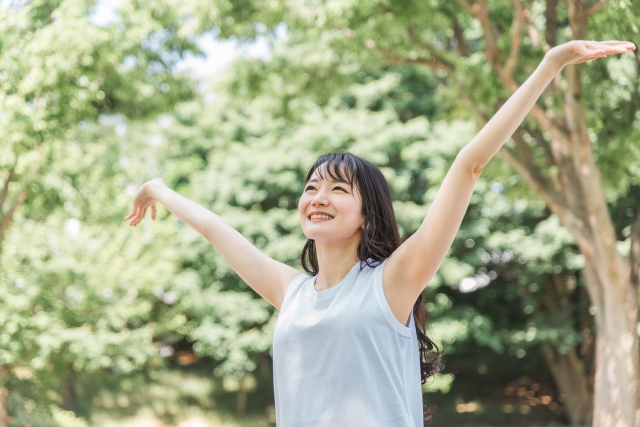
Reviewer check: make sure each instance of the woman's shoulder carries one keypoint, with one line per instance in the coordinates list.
(295, 282)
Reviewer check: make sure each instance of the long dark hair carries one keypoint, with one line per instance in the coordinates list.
(380, 237)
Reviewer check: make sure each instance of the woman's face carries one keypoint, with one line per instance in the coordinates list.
(330, 210)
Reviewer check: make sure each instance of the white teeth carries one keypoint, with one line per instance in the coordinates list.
(315, 216)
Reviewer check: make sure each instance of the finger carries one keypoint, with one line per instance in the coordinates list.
(617, 42)
(143, 213)
(601, 51)
(615, 49)
(591, 56)
(153, 211)
(596, 55)
(133, 213)
(132, 216)
(594, 47)
(591, 44)
(586, 53)
(136, 217)
(611, 48)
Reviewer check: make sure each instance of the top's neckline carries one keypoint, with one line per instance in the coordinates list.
(332, 291)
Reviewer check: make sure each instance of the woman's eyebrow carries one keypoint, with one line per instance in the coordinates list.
(332, 181)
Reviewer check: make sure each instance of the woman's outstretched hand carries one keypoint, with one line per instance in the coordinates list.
(577, 51)
(142, 201)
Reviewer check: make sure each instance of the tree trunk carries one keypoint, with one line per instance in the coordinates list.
(571, 377)
(241, 403)
(4, 393)
(7, 217)
(573, 371)
(608, 274)
(616, 400)
(68, 389)
(4, 414)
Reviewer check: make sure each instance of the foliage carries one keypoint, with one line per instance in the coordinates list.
(88, 119)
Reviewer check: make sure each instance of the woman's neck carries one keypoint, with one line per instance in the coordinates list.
(335, 259)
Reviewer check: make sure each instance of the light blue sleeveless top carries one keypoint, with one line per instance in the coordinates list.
(342, 359)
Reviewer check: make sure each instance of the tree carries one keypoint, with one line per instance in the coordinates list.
(60, 71)
(81, 298)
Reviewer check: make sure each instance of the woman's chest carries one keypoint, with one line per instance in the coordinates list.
(344, 318)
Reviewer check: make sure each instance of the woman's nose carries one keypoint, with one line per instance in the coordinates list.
(319, 199)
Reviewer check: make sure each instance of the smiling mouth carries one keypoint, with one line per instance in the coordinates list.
(316, 216)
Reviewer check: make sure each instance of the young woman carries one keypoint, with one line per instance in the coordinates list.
(349, 344)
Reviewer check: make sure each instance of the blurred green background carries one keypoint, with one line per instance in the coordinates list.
(102, 324)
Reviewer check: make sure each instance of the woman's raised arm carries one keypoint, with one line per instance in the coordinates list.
(268, 277)
(416, 261)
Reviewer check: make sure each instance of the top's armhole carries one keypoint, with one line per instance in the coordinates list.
(384, 304)
(294, 284)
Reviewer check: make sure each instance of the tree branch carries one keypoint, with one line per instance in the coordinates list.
(544, 118)
(514, 51)
(480, 11)
(431, 62)
(551, 19)
(463, 48)
(634, 255)
(440, 61)
(466, 6)
(553, 200)
(530, 176)
(532, 31)
(5, 219)
(526, 167)
(5, 187)
(578, 16)
(541, 142)
(557, 281)
(637, 54)
(583, 158)
(596, 6)
(526, 158)
(548, 191)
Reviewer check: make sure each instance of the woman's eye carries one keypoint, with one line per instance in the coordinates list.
(311, 187)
